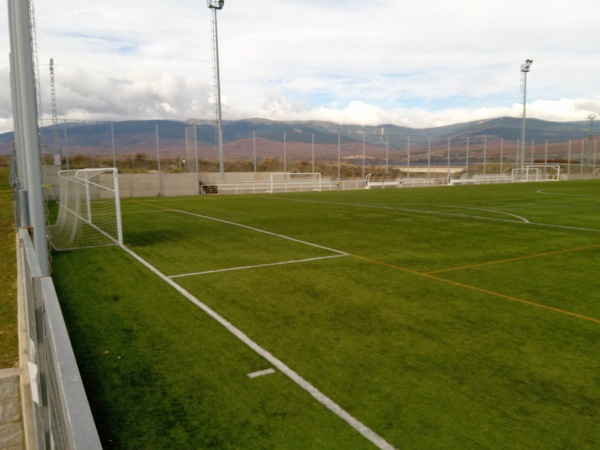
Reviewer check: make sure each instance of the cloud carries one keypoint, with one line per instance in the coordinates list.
(344, 60)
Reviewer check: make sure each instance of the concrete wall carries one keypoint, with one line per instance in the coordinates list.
(11, 425)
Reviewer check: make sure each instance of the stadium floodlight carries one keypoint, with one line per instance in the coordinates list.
(524, 70)
(216, 5)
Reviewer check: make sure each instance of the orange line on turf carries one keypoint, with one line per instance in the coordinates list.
(537, 255)
(484, 291)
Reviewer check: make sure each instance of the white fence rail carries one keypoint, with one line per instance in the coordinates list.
(62, 418)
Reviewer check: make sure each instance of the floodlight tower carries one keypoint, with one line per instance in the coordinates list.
(216, 5)
(524, 70)
(591, 118)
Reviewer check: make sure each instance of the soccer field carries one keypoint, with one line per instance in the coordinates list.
(454, 317)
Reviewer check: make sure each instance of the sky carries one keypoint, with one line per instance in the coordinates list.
(411, 63)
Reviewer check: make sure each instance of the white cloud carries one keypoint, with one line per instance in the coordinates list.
(347, 60)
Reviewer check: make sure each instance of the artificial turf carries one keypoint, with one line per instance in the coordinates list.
(461, 317)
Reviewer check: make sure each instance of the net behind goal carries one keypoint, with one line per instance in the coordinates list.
(89, 213)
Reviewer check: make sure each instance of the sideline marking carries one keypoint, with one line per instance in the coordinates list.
(484, 291)
(556, 252)
(280, 365)
(261, 373)
(206, 272)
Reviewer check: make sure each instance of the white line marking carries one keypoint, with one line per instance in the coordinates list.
(567, 227)
(545, 191)
(521, 218)
(261, 373)
(262, 231)
(148, 211)
(283, 368)
(522, 221)
(422, 211)
(255, 266)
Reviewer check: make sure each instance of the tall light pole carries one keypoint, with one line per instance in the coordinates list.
(591, 118)
(524, 70)
(216, 5)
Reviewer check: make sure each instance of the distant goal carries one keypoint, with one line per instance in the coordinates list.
(294, 182)
(89, 212)
(537, 172)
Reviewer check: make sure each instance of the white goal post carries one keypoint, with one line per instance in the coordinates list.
(89, 210)
(537, 172)
(294, 181)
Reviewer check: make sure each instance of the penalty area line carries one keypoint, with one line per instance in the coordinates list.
(256, 266)
(358, 426)
(258, 230)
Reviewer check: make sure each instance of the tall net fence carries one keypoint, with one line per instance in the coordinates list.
(89, 213)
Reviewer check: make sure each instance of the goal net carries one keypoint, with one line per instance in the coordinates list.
(89, 211)
(537, 172)
(294, 181)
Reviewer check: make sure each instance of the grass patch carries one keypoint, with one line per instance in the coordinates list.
(9, 349)
(159, 373)
(463, 317)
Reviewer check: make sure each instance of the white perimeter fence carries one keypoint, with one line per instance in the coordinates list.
(186, 184)
(61, 415)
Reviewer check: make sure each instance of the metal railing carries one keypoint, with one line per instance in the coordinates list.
(62, 418)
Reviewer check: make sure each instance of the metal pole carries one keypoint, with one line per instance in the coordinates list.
(569, 162)
(501, 154)
(429, 157)
(160, 193)
(387, 153)
(448, 156)
(363, 158)
(408, 156)
(118, 207)
(467, 154)
(485, 156)
(313, 152)
(524, 69)
(16, 104)
(284, 152)
(27, 117)
(112, 133)
(339, 157)
(66, 145)
(218, 92)
(581, 159)
(254, 152)
(196, 158)
(594, 161)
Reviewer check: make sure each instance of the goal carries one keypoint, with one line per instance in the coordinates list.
(89, 210)
(537, 172)
(294, 181)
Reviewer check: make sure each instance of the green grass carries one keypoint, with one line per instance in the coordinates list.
(9, 356)
(463, 317)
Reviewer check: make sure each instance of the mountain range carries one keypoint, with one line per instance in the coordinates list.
(242, 136)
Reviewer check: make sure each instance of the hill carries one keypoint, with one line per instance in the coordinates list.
(241, 137)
